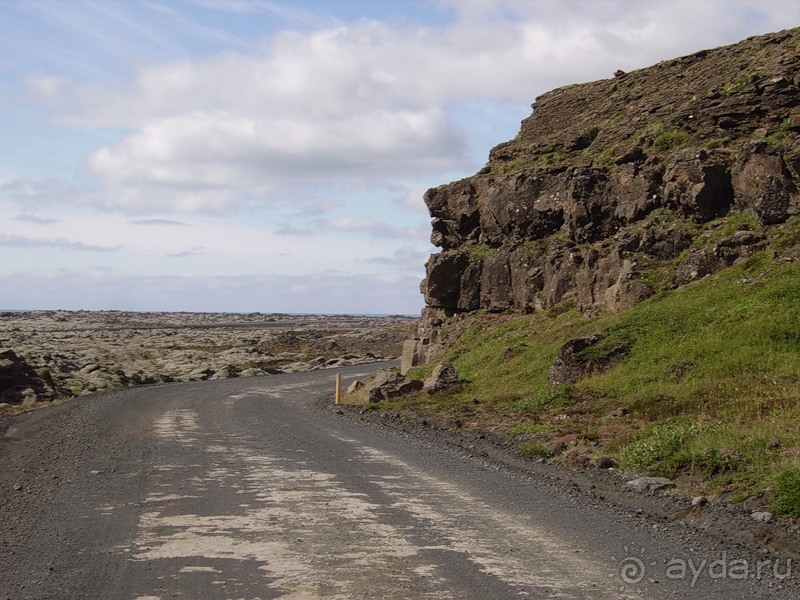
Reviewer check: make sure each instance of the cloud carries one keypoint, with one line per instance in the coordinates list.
(16, 241)
(29, 191)
(356, 225)
(374, 228)
(36, 220)
(494, 50)
(157, 222)
(412, 201)
(359, 102)
(406, 258)
(95, 289)
(196, 251)
(221, 150)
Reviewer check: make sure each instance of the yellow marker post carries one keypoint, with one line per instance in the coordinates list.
(338, 387)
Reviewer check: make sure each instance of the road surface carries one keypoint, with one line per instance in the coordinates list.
(244, 489)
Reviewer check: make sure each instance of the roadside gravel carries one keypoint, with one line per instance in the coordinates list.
(714, 530)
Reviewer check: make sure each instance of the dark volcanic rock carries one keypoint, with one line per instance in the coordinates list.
(610, 180)
(584, 356)
(699, 185)
(19, 381)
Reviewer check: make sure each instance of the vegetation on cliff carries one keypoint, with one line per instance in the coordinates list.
(708, 391)
(620, 285)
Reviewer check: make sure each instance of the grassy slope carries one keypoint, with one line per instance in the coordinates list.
(709, 393)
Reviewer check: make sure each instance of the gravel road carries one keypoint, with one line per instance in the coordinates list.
(246, 489)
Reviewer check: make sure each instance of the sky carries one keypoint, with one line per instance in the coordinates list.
(271, 155)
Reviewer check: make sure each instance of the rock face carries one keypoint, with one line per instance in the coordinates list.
(610, 181)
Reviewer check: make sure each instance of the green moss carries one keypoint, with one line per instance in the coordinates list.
(670, 139)
(479, 251)
(556, 155)
(533, 448)
(786, 500)
(740, 84)
(711, 377)
(520, 164)
(669, 448)
(781, 138)
(719, 142)
(550, 397)
(529, 427)
(788, 236)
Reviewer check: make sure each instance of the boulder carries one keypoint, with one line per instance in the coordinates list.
(390, 384)
(696, 266)
(762, 184)
(581, 357)
(199, 374)
(699, 185)
(19, 381)
(444, 376)
(411, 355)
(355, 386)
(225, 372)
(762, 516)
(252, 372)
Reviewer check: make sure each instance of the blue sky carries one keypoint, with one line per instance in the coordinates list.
(266, 155)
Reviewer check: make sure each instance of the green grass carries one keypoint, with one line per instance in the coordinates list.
(738, 85)
(479, 251)
(781, 138)
(670, 139)
(709, 392)
(533, 448)
(787, 494)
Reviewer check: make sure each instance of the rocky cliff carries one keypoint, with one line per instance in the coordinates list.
(617, 189)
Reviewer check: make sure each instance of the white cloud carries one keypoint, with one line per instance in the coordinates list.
(196, 251)
(412, 201)
(356, 225)
(17, 241)
(95, 289)
(179, 112)
(407, 258)
(360, 102)
(36, 219)
(225, 150)
(168, 222)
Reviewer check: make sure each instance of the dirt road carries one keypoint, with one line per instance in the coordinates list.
(245, 489)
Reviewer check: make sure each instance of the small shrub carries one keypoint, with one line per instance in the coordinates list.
(738, 85)
(557, 395)
(717, 142)
(780, 138)
(712, 462)
(529, 427)
(786, 500)
(479, 251)
(533, 448)
(670, 139)
(665, 449)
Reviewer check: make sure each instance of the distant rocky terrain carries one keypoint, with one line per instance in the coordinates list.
(620, 188)
(45, 355)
